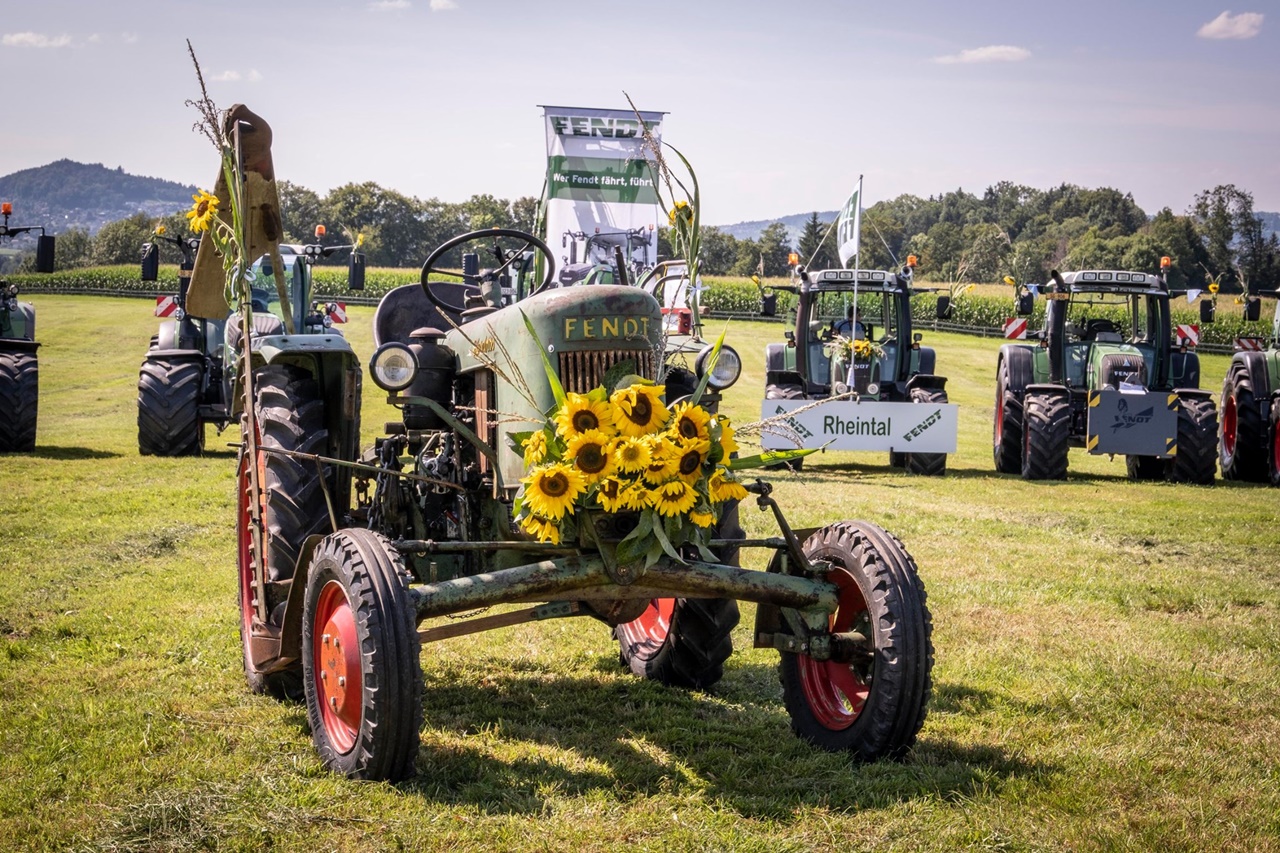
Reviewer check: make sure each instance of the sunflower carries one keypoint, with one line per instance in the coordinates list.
(535, 448)
(680, 211)
(630, 454)
(580, 414)
(726, 437)
(551, 490)
(639, 409)
(692, 455)
(590, 454)
(723, 487)
(544, 529)
(202, 211)
(664, 459)
(702, 519)
(673, 498)
(689, 421)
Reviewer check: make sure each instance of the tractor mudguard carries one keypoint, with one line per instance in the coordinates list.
(173, 354)
(927, 380)
(1193, 394)
(17, 345)
(1184, 369)
(327, 355)
(927, 362)
(775, 358)
(1256, 365)
(19, 324)
(783, 377)
(1047, 388)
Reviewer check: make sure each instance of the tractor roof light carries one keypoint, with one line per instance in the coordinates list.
(913, 261)
(320, 231)
(1166, 262)
(727, 368)
(393, 367)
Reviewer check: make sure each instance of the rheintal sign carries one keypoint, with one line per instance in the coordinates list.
(849, 425)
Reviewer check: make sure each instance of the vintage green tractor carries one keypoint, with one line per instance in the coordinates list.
(189, 372)
(1107, 376)
(19, 365)
(853, 339)
(347, 559)
(1249, 442)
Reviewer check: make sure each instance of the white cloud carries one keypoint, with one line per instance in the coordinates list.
(443, 5)
(34, 40)
(95, 39)
(129, 38)
(1246, 25)
(235, 76)
(389, 5)
(990, 53)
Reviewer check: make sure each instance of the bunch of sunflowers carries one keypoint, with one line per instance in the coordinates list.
(854, 349)
(626, 451)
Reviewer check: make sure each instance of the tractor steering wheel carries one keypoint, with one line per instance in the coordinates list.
(504, 257)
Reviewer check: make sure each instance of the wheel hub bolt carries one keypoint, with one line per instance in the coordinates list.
(324, 675)
(333, 702)
(325, 639)
(342, 681)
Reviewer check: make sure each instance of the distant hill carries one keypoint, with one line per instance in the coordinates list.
(66, 194)
(795, 224)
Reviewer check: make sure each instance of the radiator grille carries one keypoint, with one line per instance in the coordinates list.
(583, 370)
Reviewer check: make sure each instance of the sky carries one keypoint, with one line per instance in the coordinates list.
(778, 104)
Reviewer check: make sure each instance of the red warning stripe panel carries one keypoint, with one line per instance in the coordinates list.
(1188, 334)
(1251, 344)
(1015, 328)
(338, 312)
(166, 305)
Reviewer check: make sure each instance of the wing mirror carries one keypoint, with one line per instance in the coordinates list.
(44, 253)
(944, 308)
(1252, 308)
(1207, 310)
(150, 262)
(355, 271)
(1026, 302)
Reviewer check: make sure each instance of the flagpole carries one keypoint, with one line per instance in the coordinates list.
(857, 257)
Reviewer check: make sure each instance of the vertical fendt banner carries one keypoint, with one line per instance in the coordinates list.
(600, 192)
(849, 226)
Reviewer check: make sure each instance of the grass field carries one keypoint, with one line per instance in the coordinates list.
(1107, 677)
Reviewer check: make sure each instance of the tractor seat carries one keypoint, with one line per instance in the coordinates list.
(851, 330)
(1103, 331)
(263, 324)
(407, 308)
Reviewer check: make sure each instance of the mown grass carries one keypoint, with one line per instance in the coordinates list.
(1106, 678)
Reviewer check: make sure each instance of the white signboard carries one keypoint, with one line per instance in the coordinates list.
(849, 425)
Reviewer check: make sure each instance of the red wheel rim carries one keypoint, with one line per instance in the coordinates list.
(837, 692)
(335, 654)
(1229, 426)
(651, 626)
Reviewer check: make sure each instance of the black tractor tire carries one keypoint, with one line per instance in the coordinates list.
(289, 416)
(897, 460)
(927, 464)
(872, 705)
(1046, 427)
(1197, 456)
(169, 408)
(19, 401)
(1006, 438)
(785, 392)
(361, 657)
(684, 642)
(1144, 468)
(1242, 443)
(1273, 442)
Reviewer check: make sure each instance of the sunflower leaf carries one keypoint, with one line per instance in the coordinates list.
(553, 378)
(710, 366)
(611, 376)
(670, 550)
(517, 440)
(771, 457)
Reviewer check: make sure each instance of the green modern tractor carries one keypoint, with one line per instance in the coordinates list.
(348, 558)
(853, 338)
(19, 365)
(1249, 443)
(1107, 375)
(188, 376)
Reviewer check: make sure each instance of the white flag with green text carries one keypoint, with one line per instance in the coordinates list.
(849, 226)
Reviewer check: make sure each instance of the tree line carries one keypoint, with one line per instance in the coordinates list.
(958, 237)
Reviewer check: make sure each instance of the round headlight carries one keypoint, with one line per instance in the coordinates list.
(873, 388)
(727, 369)
(393, 367)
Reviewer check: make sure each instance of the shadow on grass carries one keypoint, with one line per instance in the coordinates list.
(511, 743)
(71, 453)
(838, 474)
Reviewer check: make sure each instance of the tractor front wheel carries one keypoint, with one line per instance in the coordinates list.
(1144, 468)
(19, 401)
(927, 464)
(1273, 443)
(1046, 427)
(1197, 456)
(1006, 439)
(360, 657)
(873, 703)
(1242, 446)
(169, 408)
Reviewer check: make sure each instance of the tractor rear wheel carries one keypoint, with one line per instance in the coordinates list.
(19, 401)
(1273, 443)
(1006, 439)
(684, 642)
(289, 416)
(785, 392)
(1197, 456)
(874, 703)
(927, 464)
(1242, 447)
(360, 657)
(1046, 426)
(169, 408)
